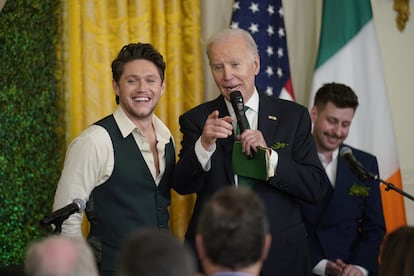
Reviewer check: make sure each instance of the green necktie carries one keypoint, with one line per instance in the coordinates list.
(244, 181)
(245, 118)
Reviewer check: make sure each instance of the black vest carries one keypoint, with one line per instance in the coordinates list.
(129, 199)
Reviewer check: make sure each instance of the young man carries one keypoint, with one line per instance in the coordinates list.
(346, 228)
(123, 164)
(282, 127)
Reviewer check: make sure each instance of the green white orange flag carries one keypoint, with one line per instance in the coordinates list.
(349, 53)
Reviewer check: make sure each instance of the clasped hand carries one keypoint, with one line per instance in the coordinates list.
(339, 268)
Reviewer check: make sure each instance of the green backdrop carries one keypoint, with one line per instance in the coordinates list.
(31, 122)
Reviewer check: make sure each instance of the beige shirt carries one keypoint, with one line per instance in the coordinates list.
(89, 162)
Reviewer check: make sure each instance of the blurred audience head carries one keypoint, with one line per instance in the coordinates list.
(397, 253)
(151, 252)
(233, 232)
(60, 256)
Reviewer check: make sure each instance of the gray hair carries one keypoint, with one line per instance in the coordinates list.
(231, 33)
(60, 256)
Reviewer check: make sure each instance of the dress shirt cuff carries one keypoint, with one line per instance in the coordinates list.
(271, 162)
(203, 156)
(319, 269)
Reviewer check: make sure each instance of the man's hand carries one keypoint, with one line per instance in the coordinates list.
(215, 128)
(332, 269)
(348, 269)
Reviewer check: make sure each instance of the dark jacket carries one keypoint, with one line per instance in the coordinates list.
(299, 175)
(349, 222)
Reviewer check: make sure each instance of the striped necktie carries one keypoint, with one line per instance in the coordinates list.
(245, 118)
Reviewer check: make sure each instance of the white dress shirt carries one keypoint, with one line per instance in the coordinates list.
(89, 162)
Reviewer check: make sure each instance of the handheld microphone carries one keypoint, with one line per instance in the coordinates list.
(355, 166)
(77, 206)
(236, 99)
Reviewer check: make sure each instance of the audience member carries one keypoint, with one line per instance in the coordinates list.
(150, 252)
(346, 228)
(397, 253)
(60, 256)
(233, 233)
(281, 127)
(122, 164)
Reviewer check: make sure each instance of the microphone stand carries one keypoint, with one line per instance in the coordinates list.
(389, 186)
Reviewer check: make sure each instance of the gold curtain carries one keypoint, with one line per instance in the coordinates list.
(93, 31)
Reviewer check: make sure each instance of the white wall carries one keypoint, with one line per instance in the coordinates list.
(302, 19)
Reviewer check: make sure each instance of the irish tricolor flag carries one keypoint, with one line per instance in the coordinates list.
(349, 53)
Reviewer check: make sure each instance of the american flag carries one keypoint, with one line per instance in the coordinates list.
(263, 19)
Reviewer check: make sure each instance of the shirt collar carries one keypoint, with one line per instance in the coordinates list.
(126, 126)
(253, 102)
(334, 157)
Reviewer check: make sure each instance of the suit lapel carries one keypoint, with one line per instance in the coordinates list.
(339, 197)
(267, 119)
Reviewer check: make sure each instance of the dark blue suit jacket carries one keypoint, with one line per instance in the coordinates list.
(299, 175)
(345, 226)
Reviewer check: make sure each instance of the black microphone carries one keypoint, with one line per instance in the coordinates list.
(236, 99)
(355, 166)
(58, 216)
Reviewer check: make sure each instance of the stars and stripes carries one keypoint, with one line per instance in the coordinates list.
(263, 19)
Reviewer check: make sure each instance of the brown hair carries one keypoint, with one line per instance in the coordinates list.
(397, 253)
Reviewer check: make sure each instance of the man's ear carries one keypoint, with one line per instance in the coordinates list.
(200, 246)
(314, 113)
(115, 86)
(163, 85)
(266, 246)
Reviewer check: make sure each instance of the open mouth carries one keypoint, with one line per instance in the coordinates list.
(232, 88)
(141, 99)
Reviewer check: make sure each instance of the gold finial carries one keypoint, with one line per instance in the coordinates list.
(403, 9)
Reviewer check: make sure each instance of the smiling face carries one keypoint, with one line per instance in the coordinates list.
(233, 65)
(331, 126)
(139, 89)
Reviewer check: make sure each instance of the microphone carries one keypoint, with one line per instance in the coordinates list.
(355, 166)
(58, 216)
(236, 99)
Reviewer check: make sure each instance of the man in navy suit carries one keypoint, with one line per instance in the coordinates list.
(347, 227)
(282, 127)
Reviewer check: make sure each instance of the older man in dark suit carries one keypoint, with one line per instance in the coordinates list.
(281, 127)
(347, 227)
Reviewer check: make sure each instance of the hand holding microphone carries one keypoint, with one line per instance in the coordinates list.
(236, 99)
